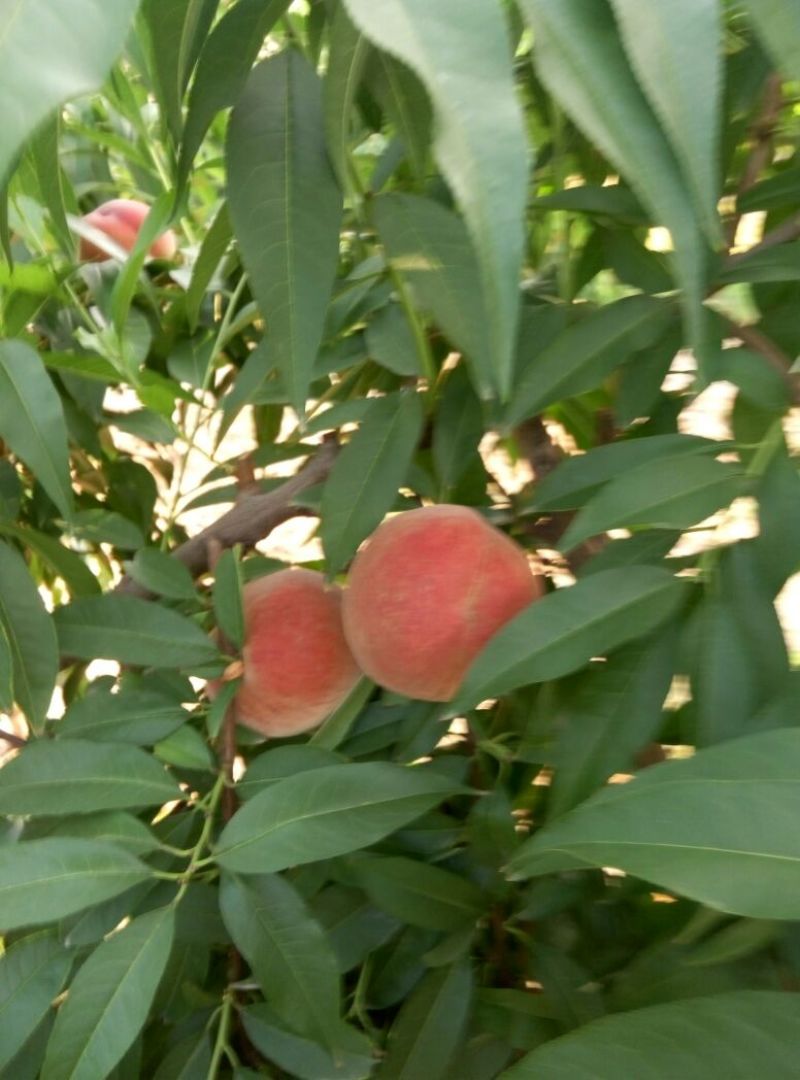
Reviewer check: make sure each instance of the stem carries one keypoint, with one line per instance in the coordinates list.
(417, 329)
(202, 842)
(223, 1033)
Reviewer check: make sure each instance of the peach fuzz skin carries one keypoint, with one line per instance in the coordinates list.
(120, 220)
(426, 593)
(297, 665)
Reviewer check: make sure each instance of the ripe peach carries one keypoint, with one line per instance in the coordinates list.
(297, 665)
(120, 220)
(425, 594)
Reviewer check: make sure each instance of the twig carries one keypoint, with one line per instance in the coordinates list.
(251, 519)
(761, 133)
(13, 740)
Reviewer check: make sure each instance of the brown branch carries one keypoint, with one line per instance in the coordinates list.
(253, 517)
(761, 133)
(13, 740)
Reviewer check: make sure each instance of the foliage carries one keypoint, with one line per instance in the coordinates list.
(495, 252)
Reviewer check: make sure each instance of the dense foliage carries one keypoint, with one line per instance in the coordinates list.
(429, 251)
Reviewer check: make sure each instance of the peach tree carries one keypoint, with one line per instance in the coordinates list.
(539, 259)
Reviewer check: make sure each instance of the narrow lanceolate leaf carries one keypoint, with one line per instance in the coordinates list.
(32, 420)
(480, 142)
(141, 717)
(584, 354)
(109, 999)
(132, 631)
(6, 671)
(407, 105)
(430, 1027)
(614, 710)
(420, 894)
(718, 828)
(44, 880)
(288, 952)
(663, 494)
(222, 69)
(228, 597)
(286, 207)
(158, 572)
(678, 62)
(32, 972)
(579, 57)
(346, 808)
(563, 631)
(214, 245)
(743, 1033)
(429, 245)
(44, 156)
(570, 484)
(347, 55)
(112, 827)
(74, 777)
(30, 636)
(363, 484)
(74, 52)
(778, 26)
(306, 1058)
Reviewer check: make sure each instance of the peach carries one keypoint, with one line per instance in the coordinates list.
(297, 665)
(120, 220)
(425, 594)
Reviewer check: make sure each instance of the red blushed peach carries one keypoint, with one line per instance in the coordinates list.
(425, 594)
(121, 220)
(297, 665)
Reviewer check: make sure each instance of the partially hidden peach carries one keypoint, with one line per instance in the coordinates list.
(425, 594)
(297, 665)
(121, 220)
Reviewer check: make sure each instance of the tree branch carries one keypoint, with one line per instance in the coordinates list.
(253, 517)
(761, 133)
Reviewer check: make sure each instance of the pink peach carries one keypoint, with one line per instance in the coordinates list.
(121, 220)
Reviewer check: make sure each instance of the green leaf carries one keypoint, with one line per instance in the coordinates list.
(586, 352)
(611, 712)
(363, 483)
(128, 278)
(405, 102)
(479, 139)
(6, 671)
(568, 486)
(429, 245)
(565, 629)
(141, 717)
(457, 431)
(30, 634)
(716, 827)
(678, 61)
(420, 894)
(348, 807)
(132, 631)
(287, 951)
(222, 69)
(31, 418)
(744, 1033)
(76, 777)
(287, 220)
(186, 748)
(302, 1057)
(579, 58)
(174, 31)
(215, 243)
(73, 57)
(65, 563)
(44, 155)
(390, 341)
(32, 972)
(190, 1059)
(778, 496)
(274, 765)
(228, 597)
(106, 527)
(778, 26)
(779, 263)
(111, 827)
(43, 880)
(109, 999)
(347, 54)
(660, 494)
(160, 573)
(430, 1026)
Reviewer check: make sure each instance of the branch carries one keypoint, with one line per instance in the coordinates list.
(252, 518)
(13, 740)
(761, 133)
(781, 234)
